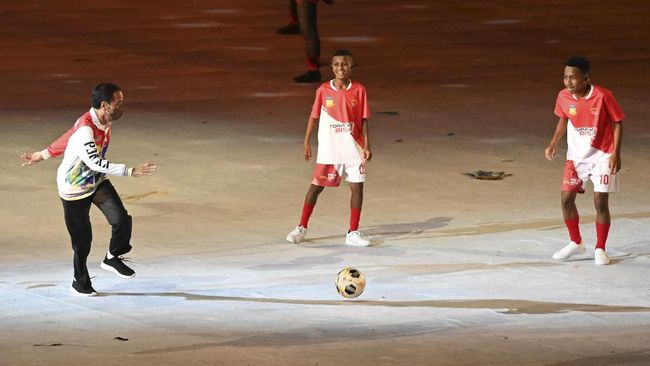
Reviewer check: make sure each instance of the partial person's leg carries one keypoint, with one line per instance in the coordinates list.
(77, 220)
(307, 15)
(293, 27)
(109, 202)
(293, 12)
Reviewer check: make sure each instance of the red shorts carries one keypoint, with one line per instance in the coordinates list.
(576, 175)
(329, 175)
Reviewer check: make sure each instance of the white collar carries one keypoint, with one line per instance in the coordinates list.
(591, 90)
(333, 87)
(93, 115)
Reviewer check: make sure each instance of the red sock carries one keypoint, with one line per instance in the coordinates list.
(306, 214)
(355, 216)
(574, 229)
(602, 230)
(312, 63)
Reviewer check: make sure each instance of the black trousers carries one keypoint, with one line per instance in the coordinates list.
(77, 220)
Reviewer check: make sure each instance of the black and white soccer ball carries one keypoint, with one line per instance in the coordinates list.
(350, 282)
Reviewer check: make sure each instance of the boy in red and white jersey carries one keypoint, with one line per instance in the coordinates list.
(81, 181)
(341, 112)
(591, 118)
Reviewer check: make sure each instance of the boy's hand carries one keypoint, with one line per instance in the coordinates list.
(367, 154)
(31, 158)
(550, 152)
(144, 169)
(307, 152)
(614, 163)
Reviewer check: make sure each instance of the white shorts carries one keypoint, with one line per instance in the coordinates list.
(576, 176)
(329, 175)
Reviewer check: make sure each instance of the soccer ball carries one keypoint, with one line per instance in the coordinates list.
(350, 283)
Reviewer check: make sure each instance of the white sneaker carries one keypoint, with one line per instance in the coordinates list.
(600, 257)
(569, 250)
(297, 235)
(356, 238)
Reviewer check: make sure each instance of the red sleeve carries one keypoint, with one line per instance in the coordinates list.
(558, 108)
(318, 103)
(58, 146)
(613, 109)
(364, 100)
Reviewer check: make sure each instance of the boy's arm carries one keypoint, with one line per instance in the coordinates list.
(367, 152)
(311, 123)
(615, 159)
(560, 129)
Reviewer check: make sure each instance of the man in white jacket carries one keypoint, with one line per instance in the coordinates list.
(81, 181)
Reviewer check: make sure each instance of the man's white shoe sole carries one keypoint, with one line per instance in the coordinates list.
(106, 267)
(74, 292)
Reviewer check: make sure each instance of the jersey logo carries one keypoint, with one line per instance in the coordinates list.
(353, 102)
(329, 102)
(594, 111)
(572, 110)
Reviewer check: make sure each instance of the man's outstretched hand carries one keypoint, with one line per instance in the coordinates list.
(31, 158)
(144, 169)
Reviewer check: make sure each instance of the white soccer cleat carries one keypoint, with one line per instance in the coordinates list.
(356, 238)
(297, 235)
(600, 257)
(569, 250)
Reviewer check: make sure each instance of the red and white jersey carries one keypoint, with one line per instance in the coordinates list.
(84, 149)
(590, 137)
(340, 114)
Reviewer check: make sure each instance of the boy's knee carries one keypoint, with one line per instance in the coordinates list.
(356, 186)
(601, 205)
(567, 200)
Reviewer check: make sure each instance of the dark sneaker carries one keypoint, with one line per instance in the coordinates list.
(291, 28)
(117, 266)
(79, 290)
(311, 76)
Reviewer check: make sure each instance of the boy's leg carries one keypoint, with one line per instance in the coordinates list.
(356, 202)
(603, 221)
(354, 237)
(572, 184)
(570, 214)
(604, 184)
(310, 202)
(297, 234)
(108, 201)
(356, 175)
(77, 220)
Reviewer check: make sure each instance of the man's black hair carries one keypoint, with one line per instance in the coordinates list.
(343, 52)
(579, 62)
(103, 93)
